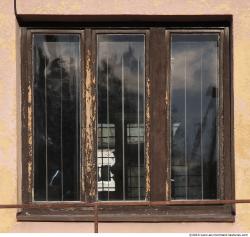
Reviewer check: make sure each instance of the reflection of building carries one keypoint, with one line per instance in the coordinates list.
(107, 162)
(121, 80)
(135, 133)
(194, 107)
(106, 159)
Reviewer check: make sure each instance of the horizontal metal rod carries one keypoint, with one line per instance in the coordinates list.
(128, 203)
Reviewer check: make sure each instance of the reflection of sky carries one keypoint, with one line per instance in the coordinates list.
(67, 51)
(196, 56)
(193, 52)
(121, 60)
(132, 51)
(194, 75)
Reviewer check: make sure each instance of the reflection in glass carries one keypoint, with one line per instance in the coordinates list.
(56, 73)
(120, 153)
(194, 107)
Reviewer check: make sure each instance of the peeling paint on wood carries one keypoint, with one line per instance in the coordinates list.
(147, 147)
(30, 136)
(30, 119)
(30, 177)
(90, 130)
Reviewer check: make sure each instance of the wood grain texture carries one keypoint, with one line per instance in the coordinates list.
(157, 65)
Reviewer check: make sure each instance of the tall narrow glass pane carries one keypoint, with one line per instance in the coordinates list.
(194, 108)
(120, 153)
(56, 75)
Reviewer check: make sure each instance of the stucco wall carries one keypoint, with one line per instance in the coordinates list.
(10, 102)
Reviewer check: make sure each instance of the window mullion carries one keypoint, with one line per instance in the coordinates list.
(27, 131)
(168, 119)
(90, 119)
(158, 162)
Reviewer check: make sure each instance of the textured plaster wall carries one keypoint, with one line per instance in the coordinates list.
(8, 113)
(10, 102)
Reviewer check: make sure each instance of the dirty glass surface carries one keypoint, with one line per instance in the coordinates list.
(194, 109)
(120, 139)
(56, 78)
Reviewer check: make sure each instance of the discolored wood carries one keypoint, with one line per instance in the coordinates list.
(136, 212)
(90, 168)
(96, 218)
(119, 203)
(226, 117)
(220, 118)
(158, 161)
(203, 210)
(228, 121)
(168, 115)
(26, 114)
(230, 69)
(147, 118)
(158, 211)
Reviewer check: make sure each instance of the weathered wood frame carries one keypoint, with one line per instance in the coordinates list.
(157, 116)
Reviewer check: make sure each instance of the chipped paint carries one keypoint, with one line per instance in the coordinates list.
(30, 139)
(30, 119)
(90, 112)
(147, 148)
(29, 177)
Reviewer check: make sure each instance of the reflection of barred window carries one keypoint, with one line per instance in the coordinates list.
(135, 133)
(106, 135)
(133, 187)
(105, 157)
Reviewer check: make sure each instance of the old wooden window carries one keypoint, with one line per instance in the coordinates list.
(127, 114)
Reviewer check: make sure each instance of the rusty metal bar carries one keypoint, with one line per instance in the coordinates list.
(127, 203)
(174, 203)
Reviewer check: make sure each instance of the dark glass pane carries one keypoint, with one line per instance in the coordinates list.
(194, 107)
(120, 153)
(56, 73)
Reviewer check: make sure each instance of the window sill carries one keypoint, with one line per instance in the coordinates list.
(215, 213)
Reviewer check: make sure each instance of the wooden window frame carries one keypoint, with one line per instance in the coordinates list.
(157, 124)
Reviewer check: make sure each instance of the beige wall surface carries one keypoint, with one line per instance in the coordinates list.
(10, 103)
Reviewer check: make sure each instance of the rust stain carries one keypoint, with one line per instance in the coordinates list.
(147, 148)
